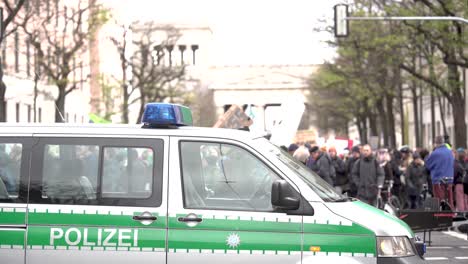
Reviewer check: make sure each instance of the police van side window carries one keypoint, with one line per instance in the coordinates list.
(97, 171)
(127, 172)
(70, 172)
(10, 165)
(223, 176)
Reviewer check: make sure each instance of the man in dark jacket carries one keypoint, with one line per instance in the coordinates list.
(368, 176)
(341, 180)
(354, 156)
(323, 166)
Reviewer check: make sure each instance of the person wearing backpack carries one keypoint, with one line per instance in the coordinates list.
(368, 176)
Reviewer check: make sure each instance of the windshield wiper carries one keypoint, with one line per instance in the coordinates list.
(345, 199)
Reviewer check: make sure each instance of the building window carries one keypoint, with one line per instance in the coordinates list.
(29, 113)
(28, 59)
(16, 52)
(17, 112)
(74, 118)
(437, 128)
(66, 117)
(39, 114)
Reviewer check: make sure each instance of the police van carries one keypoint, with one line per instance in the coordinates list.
(166, 192)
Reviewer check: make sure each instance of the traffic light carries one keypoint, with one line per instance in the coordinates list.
(341, 22)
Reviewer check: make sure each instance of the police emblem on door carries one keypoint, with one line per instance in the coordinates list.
(233, 240)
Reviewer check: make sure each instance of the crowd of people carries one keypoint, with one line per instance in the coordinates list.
(410, 175)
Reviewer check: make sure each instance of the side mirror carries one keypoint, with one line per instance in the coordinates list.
(284, 196)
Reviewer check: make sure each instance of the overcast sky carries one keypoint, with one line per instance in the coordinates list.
(248, 31)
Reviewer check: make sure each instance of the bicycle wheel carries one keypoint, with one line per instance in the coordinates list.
(395, 202)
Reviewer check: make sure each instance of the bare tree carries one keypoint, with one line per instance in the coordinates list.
(12, 8)
(155, 80)
(122, 48)
(60, 37)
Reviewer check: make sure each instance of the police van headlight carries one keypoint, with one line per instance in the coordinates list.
(394, 247)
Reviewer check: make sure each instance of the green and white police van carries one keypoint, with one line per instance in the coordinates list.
(169, 193)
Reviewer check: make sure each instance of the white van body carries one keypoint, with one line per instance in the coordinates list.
(119, 194)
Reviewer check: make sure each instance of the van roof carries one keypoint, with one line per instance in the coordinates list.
(25, 129)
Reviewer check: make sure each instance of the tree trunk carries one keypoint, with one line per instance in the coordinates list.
(391, 119)
(125, 104)
(458, 106)
(36, 81)
(383, 122)
(459, 122)
(417, 131)
(60, 105)
(402, 113)
(421, 115)
(2, 95)
(442, 114)
(433, 130)
(362, 127)
(142, 109)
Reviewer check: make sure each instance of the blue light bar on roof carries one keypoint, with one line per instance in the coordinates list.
(163, 115)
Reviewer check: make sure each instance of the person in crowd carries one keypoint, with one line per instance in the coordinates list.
(368, 176)
(354, 156)
(440, 164)
(384, 160)
(397, 175)
(458, 176)
(341, 180)
(313, 155)
(292, 148)
(406, 158)
(415, 180)
(322, 165)
(301, 154)
(447, 142)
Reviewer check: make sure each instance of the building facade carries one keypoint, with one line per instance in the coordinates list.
(31, 99)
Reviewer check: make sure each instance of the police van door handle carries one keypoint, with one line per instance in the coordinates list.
(144, 218)
(189, 219)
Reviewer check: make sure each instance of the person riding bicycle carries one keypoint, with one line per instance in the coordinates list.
(440, 165)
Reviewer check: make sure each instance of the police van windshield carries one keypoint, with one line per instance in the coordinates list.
(326, 192)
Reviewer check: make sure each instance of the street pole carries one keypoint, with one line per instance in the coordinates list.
(342, 19)
(417, 18)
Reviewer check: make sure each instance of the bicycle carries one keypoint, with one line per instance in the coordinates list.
(386, 201)
(445, 203)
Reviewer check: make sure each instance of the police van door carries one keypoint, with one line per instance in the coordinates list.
(97, 200)
(14, 173)
(220, 207)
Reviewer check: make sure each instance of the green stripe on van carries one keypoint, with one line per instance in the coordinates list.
(12, 218)
(217, 240)
(12, 237)
(340, 243)
(35, 218)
